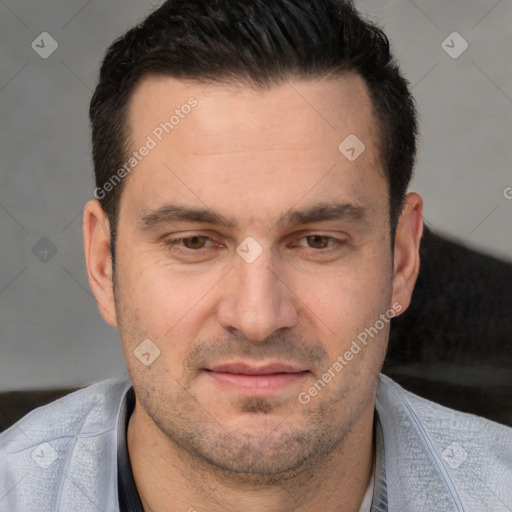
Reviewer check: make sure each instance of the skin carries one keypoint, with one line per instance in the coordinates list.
(253, 156)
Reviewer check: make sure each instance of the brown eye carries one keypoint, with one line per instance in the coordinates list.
(318, 241)
(195, 242)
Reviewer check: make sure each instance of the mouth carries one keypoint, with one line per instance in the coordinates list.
(256, 379)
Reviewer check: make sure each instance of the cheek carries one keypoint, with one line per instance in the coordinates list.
(152, 308)
(165, 305)
(342, 303)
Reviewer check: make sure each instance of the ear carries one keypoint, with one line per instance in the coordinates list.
(406, 255)
(98, 258)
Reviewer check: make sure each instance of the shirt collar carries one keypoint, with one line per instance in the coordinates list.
(129, 499)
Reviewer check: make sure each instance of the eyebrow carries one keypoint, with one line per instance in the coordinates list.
(173, 213)
(325, 212)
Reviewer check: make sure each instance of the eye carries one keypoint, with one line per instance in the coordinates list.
(188, 244)
(318, 241)
(194, 242)
(315, 241)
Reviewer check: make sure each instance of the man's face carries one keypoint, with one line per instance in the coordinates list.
(252, 252)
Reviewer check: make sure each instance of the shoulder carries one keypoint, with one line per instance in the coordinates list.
(468, 456)
(75, 434)
(440, 421)
(85, 410)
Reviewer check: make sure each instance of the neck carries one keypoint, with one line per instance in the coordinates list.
(169, 479)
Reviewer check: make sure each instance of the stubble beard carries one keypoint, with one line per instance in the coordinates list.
(282, 449)
(277, 451)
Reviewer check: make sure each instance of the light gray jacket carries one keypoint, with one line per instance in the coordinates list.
(63, 457)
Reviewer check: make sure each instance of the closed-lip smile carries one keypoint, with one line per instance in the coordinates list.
(255, 379)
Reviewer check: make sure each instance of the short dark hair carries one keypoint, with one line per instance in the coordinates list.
(260, 43)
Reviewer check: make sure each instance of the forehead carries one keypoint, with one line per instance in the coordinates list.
(328, 107)
(273, 144)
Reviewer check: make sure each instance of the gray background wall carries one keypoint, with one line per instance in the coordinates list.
(50, 331)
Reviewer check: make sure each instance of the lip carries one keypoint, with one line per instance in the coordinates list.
(253, 369)
(255, 380)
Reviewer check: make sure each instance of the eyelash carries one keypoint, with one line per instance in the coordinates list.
(175, 244)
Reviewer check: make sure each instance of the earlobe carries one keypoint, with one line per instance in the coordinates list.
(406, 263)
(98, 259)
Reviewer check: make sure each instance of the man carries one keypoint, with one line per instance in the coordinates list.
(251, 238)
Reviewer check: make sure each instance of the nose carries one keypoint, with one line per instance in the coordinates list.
(256, 300)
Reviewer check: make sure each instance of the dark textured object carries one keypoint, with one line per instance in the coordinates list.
(453, 345)
(15, 404)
